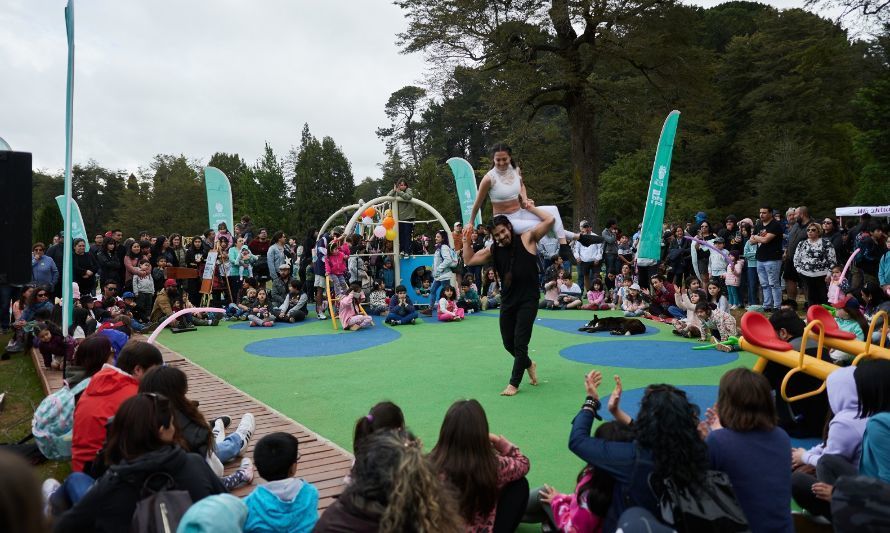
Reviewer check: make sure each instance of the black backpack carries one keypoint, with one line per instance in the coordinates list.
(161, 506)
(711, 506)
(860, 504)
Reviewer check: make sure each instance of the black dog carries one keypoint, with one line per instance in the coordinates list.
(615, 325)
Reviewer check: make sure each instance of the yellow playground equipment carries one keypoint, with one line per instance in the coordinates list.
(759, 338)
(845, 341)
(334, 303)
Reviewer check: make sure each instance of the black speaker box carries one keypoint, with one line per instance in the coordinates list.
(15, 217)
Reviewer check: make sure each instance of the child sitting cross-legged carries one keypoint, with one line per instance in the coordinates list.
(596, 296)
(633, 302)
(448, 309)
(569, 293)
(295, 306)
(469, 299)
(351, 315)
(261, 314)
(401, 308)
(285, 503)
(377, 300)
(240, 311)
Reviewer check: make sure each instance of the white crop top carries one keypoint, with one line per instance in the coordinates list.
(501, 191)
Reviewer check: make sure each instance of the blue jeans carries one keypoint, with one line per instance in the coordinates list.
(73, 488)
(752, 285)
(434, 291)
(734, 298)
(768, 272)
(403, 319)
(229, 447)
(676, 312)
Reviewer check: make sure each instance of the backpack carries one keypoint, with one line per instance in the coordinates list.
(53, 421)
(860, 504)
(712, 506)
(449, 262)
(161, 506)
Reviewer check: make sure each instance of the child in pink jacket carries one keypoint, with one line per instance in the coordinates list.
(733, 279)
(350, 313)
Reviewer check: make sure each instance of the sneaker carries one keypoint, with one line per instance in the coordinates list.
(321, 316)
(253, 324)
(245, 429)
(414, 321)
(246, 470)
(268, 324)
(49, 487)
(219, 428)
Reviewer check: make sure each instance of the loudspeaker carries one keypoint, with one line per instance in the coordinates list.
(15, 217)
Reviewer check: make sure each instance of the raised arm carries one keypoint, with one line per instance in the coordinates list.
(481, 257)
(481, 194)
(543, 227)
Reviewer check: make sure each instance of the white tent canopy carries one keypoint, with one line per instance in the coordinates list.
(855, 211)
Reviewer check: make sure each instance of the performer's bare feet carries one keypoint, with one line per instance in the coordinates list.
(509, 391)
(533, 373)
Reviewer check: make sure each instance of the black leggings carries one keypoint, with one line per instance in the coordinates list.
(517, 319)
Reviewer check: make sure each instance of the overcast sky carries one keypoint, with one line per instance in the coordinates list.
(200, 76)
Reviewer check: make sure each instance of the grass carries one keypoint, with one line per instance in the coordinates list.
(19, 380)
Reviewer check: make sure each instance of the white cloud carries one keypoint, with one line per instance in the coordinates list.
(201, 76)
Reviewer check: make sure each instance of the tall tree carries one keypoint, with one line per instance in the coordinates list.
(271, 202)
(547, 54)
(323, 180)
(403, 109)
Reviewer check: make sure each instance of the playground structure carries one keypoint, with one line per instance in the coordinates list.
(401, 264)
(759, 338)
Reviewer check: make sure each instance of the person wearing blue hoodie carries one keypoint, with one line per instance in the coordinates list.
(285, 503)
(844, 441)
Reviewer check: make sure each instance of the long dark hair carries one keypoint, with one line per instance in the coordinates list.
(465, 456)
(134, 431)
(92, 353)
(872, 379)
(667, 426)
(503, 147)
(444, 235)
(857, 316)
(384, 415)
(173, 383)
(599, 488)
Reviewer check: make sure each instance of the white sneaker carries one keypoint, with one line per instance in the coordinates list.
(246, 428)
(49, 487)
(219, 431)
(247, 469)
(321, 316)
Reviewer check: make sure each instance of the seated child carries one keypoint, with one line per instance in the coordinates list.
(350, 313)
(377, 300)
(633, 303)
(596, 297)
(569, 294)
(690, 327)
(401, 309)
(448, 309)
(492, 297)
(295, 306)
(469, 298)
(240, 311)
(261, 313)
(551, 292)
(621, 293)
(388, 274)
(424, 290)
(284, 503)
(849, 318)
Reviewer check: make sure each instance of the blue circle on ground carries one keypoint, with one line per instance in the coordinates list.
(571, 326)
(334, 343)
(646, 354)
(703, 396)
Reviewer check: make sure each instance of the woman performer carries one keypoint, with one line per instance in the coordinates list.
(504, 186)
(516, 263)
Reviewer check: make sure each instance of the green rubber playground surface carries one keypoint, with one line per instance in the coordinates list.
(425, 367)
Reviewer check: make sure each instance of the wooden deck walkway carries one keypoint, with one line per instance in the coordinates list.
(322, 463)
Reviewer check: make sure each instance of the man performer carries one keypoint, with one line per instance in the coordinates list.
(516, 264)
